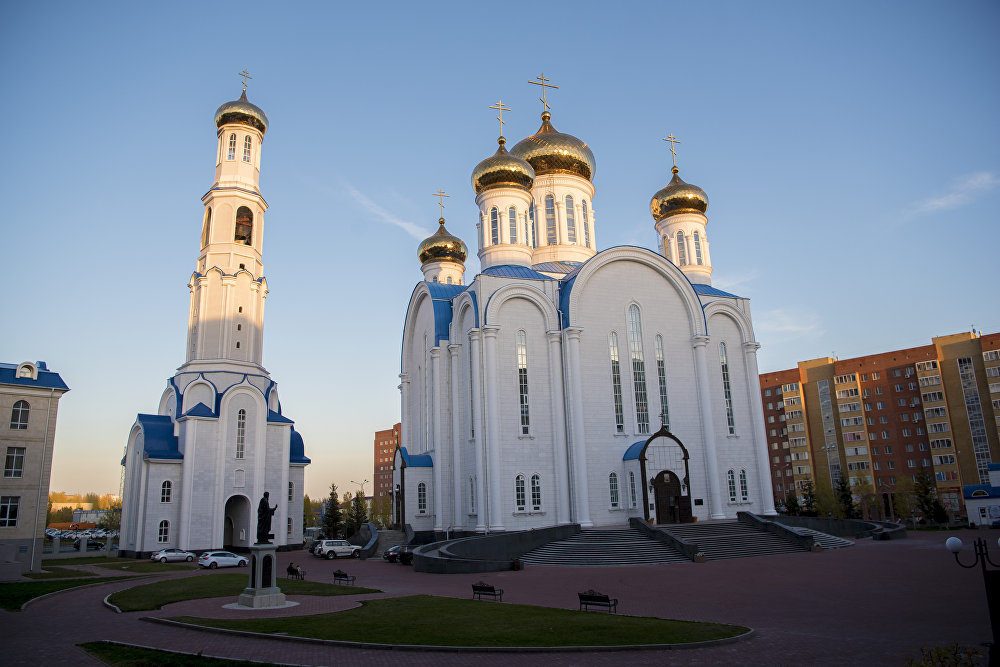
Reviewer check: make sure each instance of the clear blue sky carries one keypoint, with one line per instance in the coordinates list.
(849, 150)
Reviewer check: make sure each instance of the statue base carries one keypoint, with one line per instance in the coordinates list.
(262, 591)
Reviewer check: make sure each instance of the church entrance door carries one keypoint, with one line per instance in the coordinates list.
(671, 505)
(237, 530)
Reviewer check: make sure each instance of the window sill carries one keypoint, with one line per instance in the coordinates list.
(616, 509)
(528, 513)
(733, 436)
(526, 436)
(620, 434)
(740, 502)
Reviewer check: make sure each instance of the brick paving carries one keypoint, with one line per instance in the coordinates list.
(875, 603)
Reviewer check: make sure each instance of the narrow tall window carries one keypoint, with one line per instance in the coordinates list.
(19, 416)
(731, 479)
(616, 383)
(536, 492)
(586, 222)
(531, 219)
(512, 219)
(697, 247)
(638, 369)
(291, 491)
(206, 229)
(494, 226)
(550, 220)
(482, 228)
(247, 143)
(613, 489)
(8, 511)
(570, 220)
(241, 433)
(726, 389)
(666, 247)
(421, 498)
(288, 523)
(519, 492)
(14, 463)
(231, 153)
(631, 483)
(165, 489)
(681, 250)
(744, 487)
(163, 534)
(472, 495)
(661, 373)
(520, 341)
(244, 226)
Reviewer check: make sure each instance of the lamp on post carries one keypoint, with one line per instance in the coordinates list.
(991, 581)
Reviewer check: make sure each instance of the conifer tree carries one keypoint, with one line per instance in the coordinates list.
(332, 518)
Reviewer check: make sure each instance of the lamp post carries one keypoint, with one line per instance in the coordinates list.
(991, 582)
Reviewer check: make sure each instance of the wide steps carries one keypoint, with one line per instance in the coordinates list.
(389, 538)
(604, 548)
(825, 540)
(731, 539)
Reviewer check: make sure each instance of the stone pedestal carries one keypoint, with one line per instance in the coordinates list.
(263, 589)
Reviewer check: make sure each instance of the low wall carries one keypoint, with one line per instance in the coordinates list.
(486, 553)
(855, 528)
(784, 532)
(685, 547)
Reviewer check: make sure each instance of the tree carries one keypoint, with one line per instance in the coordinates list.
(792, 504)
(845, 498)
(808, 502)
(925, 492)
(358, 516)
(112, 518)
(307, 514)
(332, 516)
(826, 503)
(93, 499)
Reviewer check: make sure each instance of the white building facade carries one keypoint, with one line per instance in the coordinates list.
(566, 385)
(195, 470)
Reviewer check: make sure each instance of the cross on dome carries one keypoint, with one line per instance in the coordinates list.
(672, 140)
(500, 108)
(544, 83)
(441, 195)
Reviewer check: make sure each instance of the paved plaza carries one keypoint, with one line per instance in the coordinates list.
(875, 603)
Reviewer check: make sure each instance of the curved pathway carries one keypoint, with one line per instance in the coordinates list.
(874, 604)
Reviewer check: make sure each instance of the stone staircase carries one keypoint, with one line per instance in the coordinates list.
(825, 540)
(389, 538)
(730, 539)
(603, 548)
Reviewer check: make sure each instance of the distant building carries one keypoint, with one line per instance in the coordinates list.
(385, 449)
(29, 393)
(881, 418)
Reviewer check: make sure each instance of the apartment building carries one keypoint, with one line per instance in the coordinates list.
(385, 448)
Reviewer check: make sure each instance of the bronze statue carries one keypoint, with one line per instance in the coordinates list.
(264, 514)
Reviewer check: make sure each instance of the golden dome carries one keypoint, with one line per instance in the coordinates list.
(502, 170)
(243, 112)
(442, 247)
(678, 197)
(549, 151)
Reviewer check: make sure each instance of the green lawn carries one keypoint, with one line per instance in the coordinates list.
(155, 595)
(13, 595)
(146, 566)
(129, 656)
(429, 620)
(53, 572)
(82, 560)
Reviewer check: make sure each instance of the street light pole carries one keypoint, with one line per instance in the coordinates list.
(991, 581)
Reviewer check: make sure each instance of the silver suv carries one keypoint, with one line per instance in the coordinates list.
(330, 549)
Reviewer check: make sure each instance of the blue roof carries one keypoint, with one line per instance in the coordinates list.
(158, 441)
(441, 296)
(708, 290)
(993, 466)
(632, 453)
(557, 267)
(991, 491)
(416, 460)
(46, 379)
(200, 410)
(274, 418)
(514, 271)
(297, 449)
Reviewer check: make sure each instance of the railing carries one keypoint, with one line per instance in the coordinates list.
(686, 547)
(784, 532)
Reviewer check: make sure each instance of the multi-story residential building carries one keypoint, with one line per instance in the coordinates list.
(385, 448)
(880, 419)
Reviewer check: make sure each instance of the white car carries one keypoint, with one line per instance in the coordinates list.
(214, 559)
(164, 555)
(330, 549)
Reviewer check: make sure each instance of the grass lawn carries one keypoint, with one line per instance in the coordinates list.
(429, 620)
(13, 595)
(53, 572)
(129, 656)
(155, 595)
(82, 560)
(146, 566)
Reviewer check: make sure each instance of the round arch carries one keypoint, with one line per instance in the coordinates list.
(531, 294)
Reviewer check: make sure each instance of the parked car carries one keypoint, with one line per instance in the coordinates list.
(92, 545)
(164, 555)
(330, 549)
(392, 553)
(214, 559)
(406, 554)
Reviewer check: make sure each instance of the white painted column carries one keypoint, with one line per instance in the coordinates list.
(759, 436)
(404, 395)
(184, 513)
(494, 472)
(559, 453)
(457, 397)
(708, 427)
(477, 427)
(437, 442)
(578, 440)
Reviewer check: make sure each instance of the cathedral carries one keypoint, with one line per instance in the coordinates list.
(195, 470)
(569, 385)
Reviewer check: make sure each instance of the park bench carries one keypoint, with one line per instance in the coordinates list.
(482, 588)
(341, 577)
(594, 599)
(296, 573)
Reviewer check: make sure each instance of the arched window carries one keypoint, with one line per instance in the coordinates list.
(244, 226)
(661, 373)
(494, 226)
(731, 479)
(206, 229)
(681, 250)
(536, 493)
(586, 222)
(247, 143)
(531, 219)
(631, 483)
(726, 389)
(421, 498)
(512, 219)
(697, 248)
(482, 230)
(519, 492)
(163, 534)
(288, 522)
(231, 153)
(638, 369)
(613, 489)
(666, 247)
(520, 343)
(472, 495)
(550, 220)
(241, 433)
(19, 416)
(291, 491)
(165, 490)
(570, 220)
(616, 383)
(744, 487)
(449, 281)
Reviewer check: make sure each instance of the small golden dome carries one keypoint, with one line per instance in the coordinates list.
(243, 112)
(549, 151)
(678, 197)
(502, 170)
(442, 247)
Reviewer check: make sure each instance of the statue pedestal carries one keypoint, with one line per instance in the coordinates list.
(263, 591)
